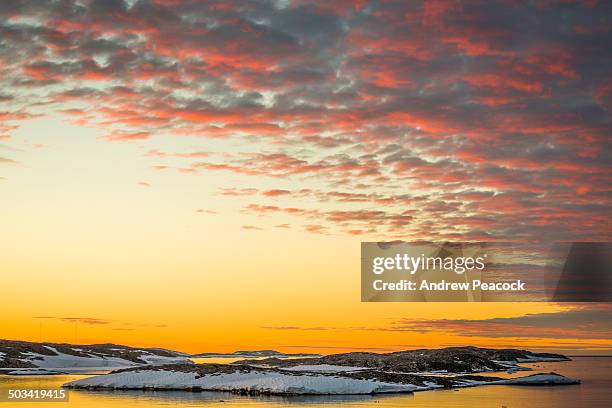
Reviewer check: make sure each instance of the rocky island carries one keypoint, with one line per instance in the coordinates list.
(349, 373)
(22, 357)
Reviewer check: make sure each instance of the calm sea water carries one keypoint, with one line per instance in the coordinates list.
(595, 391)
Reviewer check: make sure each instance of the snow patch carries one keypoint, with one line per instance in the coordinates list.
(62, 360)
(253, 381)
(67, 361)
(32, 371)
(542, 379)
(536, 359)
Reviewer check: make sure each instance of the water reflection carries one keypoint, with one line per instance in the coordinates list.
(595, 391)
(181, 398)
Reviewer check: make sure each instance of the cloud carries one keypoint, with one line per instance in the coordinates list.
(275, 193)
(4, 160)
(336, 347)
(296, 328)
(457, 120)
(579, 327)
(203, 210)
(251, 227)
(158, 153)
(365, 218)
(581, 322)
(237, 192)
(82, 320)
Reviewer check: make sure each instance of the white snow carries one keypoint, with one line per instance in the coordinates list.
(265, 382)
(535, 379)
(439, 373)
(529, 359)
(541, 379)
(67, 361)
(154, 359)
(516, 369)
(62, 360)
(278, 382)
(536, 359)
(32, 371)
(429, 385)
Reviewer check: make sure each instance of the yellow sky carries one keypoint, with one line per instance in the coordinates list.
(83, 239)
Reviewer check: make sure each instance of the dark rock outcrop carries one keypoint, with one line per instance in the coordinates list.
(451, 359)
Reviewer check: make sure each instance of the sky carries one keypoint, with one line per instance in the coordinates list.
(199, 175)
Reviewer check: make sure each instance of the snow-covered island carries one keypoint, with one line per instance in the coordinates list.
(349, 373)
(26, 358)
